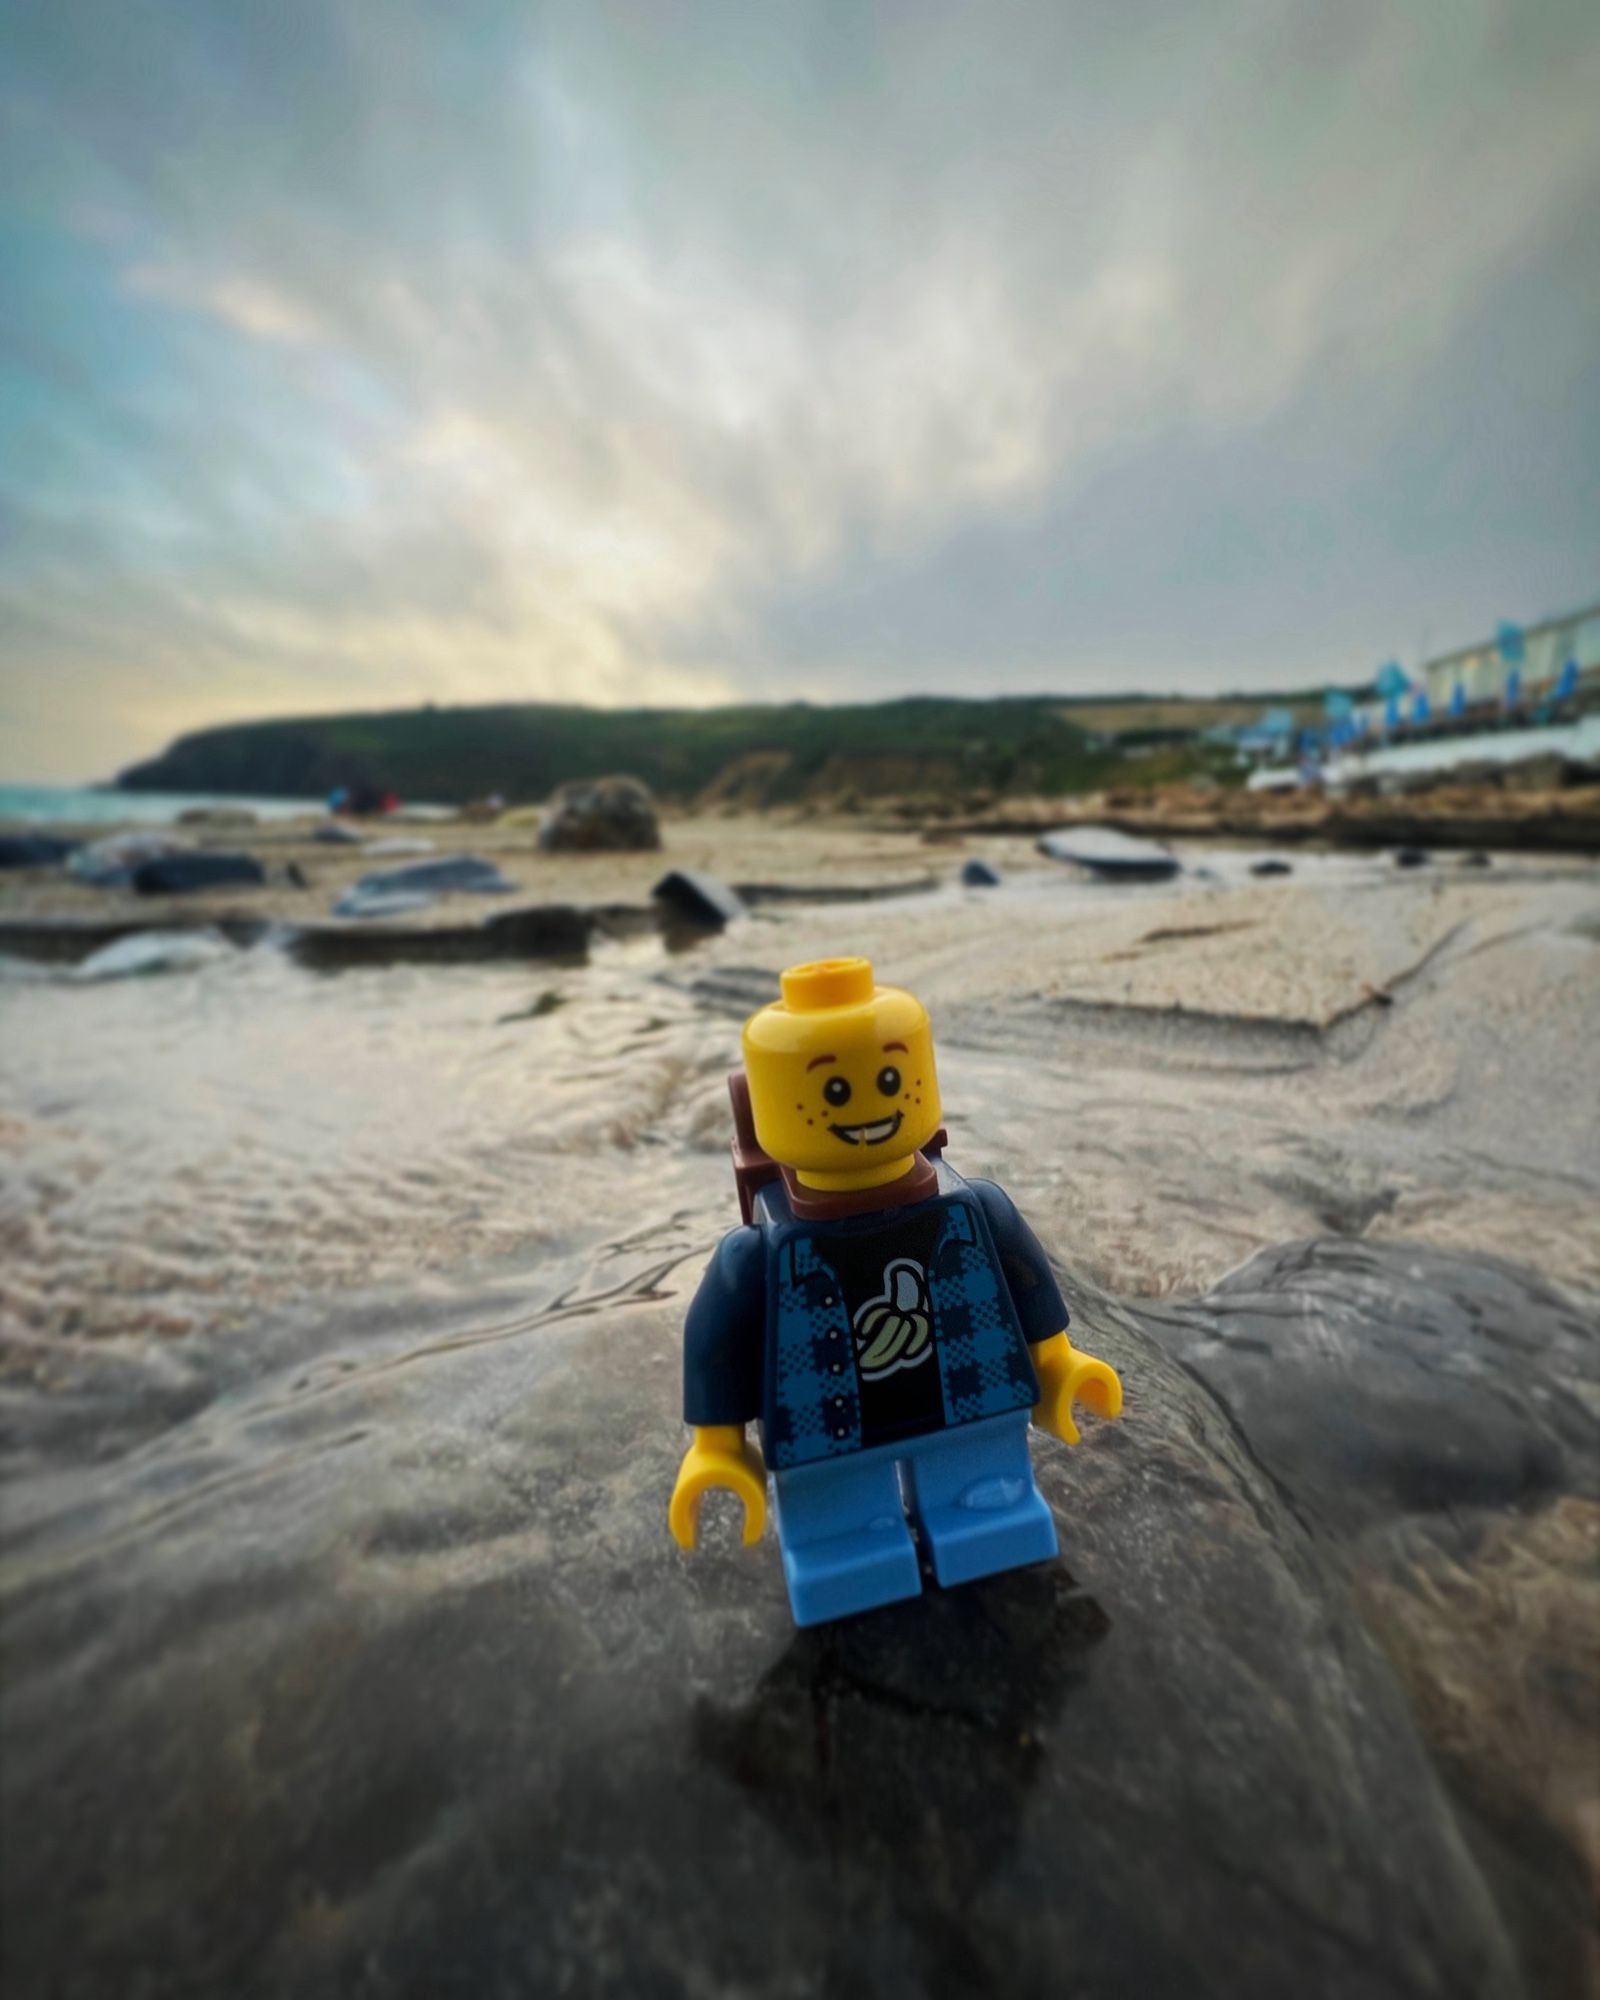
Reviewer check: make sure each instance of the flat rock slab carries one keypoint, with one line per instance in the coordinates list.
(353, 1657)
(390, 891)
(543, 930)
(1298, 954)
(1106, 851)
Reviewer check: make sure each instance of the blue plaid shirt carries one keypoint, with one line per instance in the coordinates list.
(768, 1334)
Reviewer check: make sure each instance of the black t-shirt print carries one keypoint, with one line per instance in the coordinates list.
(884, 1272)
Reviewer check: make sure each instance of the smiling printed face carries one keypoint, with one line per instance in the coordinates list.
(842, 1082)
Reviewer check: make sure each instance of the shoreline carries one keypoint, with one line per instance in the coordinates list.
(562, 905)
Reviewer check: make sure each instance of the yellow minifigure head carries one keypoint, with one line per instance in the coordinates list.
(842, 1083)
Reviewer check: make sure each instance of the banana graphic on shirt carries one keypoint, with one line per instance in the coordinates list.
(894, 1330)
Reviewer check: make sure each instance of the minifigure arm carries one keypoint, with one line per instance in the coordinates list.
(1065, 1376)
(722, 1357)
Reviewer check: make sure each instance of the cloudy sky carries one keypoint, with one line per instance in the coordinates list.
(360, 352)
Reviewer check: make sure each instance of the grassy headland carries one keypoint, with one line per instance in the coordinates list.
(747, 756)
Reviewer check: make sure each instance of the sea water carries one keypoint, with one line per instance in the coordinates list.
(96, 805)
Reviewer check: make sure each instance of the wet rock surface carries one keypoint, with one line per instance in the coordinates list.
(354, 1657)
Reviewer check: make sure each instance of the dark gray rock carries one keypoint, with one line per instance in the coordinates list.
(178, 874)
(697, 898)
(34, 850)
(1105, 851)
(1411, 857)
(1433, 1419)
(835, 892)
(390, 892)
(333, 833)
(594, 815)
(110, 862)
(218, 816)
(555, 931)
(979, 874)
(1271, 866)
(353, 1657)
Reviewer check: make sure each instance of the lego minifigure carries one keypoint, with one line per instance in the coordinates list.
(893, 1327)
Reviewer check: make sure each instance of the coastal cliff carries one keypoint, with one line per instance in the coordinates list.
(752, 756)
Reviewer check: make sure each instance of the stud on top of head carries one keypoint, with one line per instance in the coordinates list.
(825, 983)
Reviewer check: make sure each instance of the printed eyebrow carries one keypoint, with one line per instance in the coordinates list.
(896, 1045)
(810, 1066)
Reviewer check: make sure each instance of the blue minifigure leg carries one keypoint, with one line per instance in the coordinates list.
(974, 1500)
(846, 1546)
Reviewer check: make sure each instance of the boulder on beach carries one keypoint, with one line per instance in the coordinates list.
(979, 874)
(600, 815)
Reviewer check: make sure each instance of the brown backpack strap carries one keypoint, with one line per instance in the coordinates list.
(752, 1168)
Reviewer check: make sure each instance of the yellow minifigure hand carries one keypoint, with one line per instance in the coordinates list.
(1067, 1377)
(723, 1459)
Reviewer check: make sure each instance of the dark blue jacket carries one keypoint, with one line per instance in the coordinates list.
(768, 1334)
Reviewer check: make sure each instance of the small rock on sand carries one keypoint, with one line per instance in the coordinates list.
(698, 898)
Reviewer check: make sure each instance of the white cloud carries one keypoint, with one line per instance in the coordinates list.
(542, 370)
(248, 305)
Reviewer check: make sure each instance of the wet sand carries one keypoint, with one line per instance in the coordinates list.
(1174, 1076)
(339, 1330)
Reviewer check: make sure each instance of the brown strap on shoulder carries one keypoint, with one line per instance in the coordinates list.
(753, 1169)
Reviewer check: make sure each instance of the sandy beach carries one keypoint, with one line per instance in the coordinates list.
(340, 1329)
(1178, 1074)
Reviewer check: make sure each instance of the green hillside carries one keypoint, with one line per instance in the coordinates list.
(755, 755)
